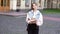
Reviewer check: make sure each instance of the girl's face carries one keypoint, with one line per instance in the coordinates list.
(34, 6)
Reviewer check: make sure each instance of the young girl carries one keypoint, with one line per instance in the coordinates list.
(34, 19)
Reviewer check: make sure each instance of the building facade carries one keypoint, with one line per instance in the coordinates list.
(55, 4)
(6, 5)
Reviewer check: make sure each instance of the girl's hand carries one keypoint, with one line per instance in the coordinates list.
(33, 21)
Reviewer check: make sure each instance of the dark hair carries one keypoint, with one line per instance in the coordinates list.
(32, 5)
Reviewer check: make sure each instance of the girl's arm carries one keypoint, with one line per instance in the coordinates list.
(40, 20)
(30, 20)
(27, 18)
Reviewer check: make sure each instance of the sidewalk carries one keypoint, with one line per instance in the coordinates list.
(12, 13)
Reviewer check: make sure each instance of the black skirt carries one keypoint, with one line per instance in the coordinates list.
(32, 27)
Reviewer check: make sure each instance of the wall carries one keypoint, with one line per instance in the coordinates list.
(13, 4)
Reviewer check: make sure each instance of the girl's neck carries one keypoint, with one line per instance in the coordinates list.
(34, 10)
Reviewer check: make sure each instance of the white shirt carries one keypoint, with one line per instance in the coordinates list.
(39, 19)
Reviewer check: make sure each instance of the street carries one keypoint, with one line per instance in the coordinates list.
(17, 25)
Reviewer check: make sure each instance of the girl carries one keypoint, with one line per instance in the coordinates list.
(34, 19)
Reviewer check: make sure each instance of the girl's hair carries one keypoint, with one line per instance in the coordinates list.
(32, 5)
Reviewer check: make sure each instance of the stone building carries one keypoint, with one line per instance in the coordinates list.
(6, 5)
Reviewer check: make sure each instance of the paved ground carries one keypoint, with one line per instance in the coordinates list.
(12, 13)
(17, 25)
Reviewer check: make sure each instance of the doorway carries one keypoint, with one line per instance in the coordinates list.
(4, 5)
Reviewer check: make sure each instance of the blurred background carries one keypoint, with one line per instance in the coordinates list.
(13, 16)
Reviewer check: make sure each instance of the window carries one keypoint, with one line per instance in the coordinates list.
(1, 2)
(27, 2)
(8, 2)
(59, 1)
(39, 3)
(4, 2)
(45, 3)
(59, 5)
(33, 1)
(18, 2)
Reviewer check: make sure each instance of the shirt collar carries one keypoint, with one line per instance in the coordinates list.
(34, 12)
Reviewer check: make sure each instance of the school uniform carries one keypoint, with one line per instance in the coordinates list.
(34, 28)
